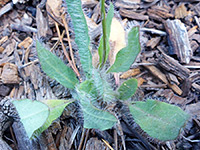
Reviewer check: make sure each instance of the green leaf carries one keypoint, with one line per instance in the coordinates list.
(126, 56)
(96, 118)
(56, 108)
(86, 86)
(93, 117)
(108, 25)
(81, 33)
(158, 119)
(33, 114)
(127, 89)
(101, 85)
(55, 68)
(98, 87)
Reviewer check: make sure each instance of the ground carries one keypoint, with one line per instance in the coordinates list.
(167, 69)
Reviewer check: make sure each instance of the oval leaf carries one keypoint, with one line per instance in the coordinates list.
(93, 117)
(98, 87)
(56, 108)
(81, 33)
(55, 68)
(127, 89)
(96, 118)
(126, 56)
(33, 114)
(158, 119)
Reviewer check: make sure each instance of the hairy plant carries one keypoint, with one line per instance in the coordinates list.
(158, 119)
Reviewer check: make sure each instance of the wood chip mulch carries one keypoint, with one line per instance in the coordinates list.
(167, 69)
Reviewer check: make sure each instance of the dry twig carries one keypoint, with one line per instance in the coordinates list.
(65, 52)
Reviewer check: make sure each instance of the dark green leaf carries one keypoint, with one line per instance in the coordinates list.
(33, 114)
(158, 119)
(108, 25)
(81, 33)
(127, 89)
(55, 68)
(126, 56)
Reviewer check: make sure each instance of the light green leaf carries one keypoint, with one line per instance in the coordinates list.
(81, 33)
(96, 118)
(158, 119)
(126, 56)
(127, 89)
(33, 114)
(108, 25)
(56, 108)
(55, 68)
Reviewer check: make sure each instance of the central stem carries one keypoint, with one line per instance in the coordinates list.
(103, 15)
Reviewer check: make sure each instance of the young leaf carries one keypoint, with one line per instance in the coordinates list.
(108, 24)
(55, 68)
(126, 56)
(96, 118)
(93, 117)
(88, 87)
(98, 87)
(56, 108)
(33, 114)
(101, 85)
(81, 33)
(158, 119)
(127, 89)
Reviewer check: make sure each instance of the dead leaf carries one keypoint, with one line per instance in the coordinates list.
(117, 42)
(117, 39)
(55, 6)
